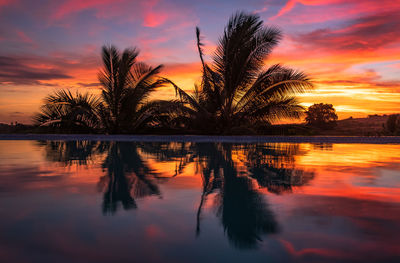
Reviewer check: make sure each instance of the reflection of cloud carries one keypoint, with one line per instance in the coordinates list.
(20, 178)
(353, 219)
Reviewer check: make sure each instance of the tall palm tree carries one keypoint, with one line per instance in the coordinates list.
(236, 90)
(122, 106)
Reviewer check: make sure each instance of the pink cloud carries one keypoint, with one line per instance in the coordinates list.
(397, 66)
(365, 33)
(75, 6)
(153, 13)
(154, 19)
(289, 6)
(5, 2)
(347, 7)
(25, 38)
(261, 10)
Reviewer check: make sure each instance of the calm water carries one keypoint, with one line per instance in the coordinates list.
(198, 202)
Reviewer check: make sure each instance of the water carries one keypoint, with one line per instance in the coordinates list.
(205, 202)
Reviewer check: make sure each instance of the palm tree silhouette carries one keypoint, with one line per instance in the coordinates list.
(122, 106)
(70, 112)
(126, 86)
(236, 92)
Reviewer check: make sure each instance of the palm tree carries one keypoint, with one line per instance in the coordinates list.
(236, 91)
(69, 113)
(122, 106)
(126, 86)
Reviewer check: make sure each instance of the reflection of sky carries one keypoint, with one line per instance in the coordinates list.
(347, 46)
(349, 211)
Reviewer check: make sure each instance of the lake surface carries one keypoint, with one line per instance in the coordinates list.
(87, 201)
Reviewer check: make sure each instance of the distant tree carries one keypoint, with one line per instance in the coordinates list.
(393, 124)
(321, 115)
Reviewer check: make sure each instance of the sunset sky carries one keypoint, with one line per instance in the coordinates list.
(350, 48)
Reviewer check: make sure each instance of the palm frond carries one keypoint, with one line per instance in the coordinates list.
(62, 107)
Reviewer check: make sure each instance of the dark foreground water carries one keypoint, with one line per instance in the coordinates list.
(198, 202)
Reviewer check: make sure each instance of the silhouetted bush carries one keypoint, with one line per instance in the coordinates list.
(322, 116)
(393, 124)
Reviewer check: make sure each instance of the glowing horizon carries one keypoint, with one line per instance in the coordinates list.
(350, 48)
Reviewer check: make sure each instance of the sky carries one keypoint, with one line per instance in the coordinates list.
(350, 48)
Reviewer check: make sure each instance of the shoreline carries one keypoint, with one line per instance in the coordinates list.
(205, 138)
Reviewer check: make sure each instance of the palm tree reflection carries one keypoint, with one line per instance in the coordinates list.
(273, 167)
(231, 174)
(128, 177)
(69, 152)
(241, 208)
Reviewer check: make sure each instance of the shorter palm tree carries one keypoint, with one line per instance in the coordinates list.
(70, 112)
(126, 86)
(122, 106)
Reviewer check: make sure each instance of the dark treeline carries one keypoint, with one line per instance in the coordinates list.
(236, 95)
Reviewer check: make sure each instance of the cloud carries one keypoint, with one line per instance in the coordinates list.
(290, 4)
(75, 6)
(6, 2)
(89, 85)
(285, 9)
(365, 33)
(25, 38)
(309, 11)
(14, 70)
(152, 13)
(154, 19)
(183, 68)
